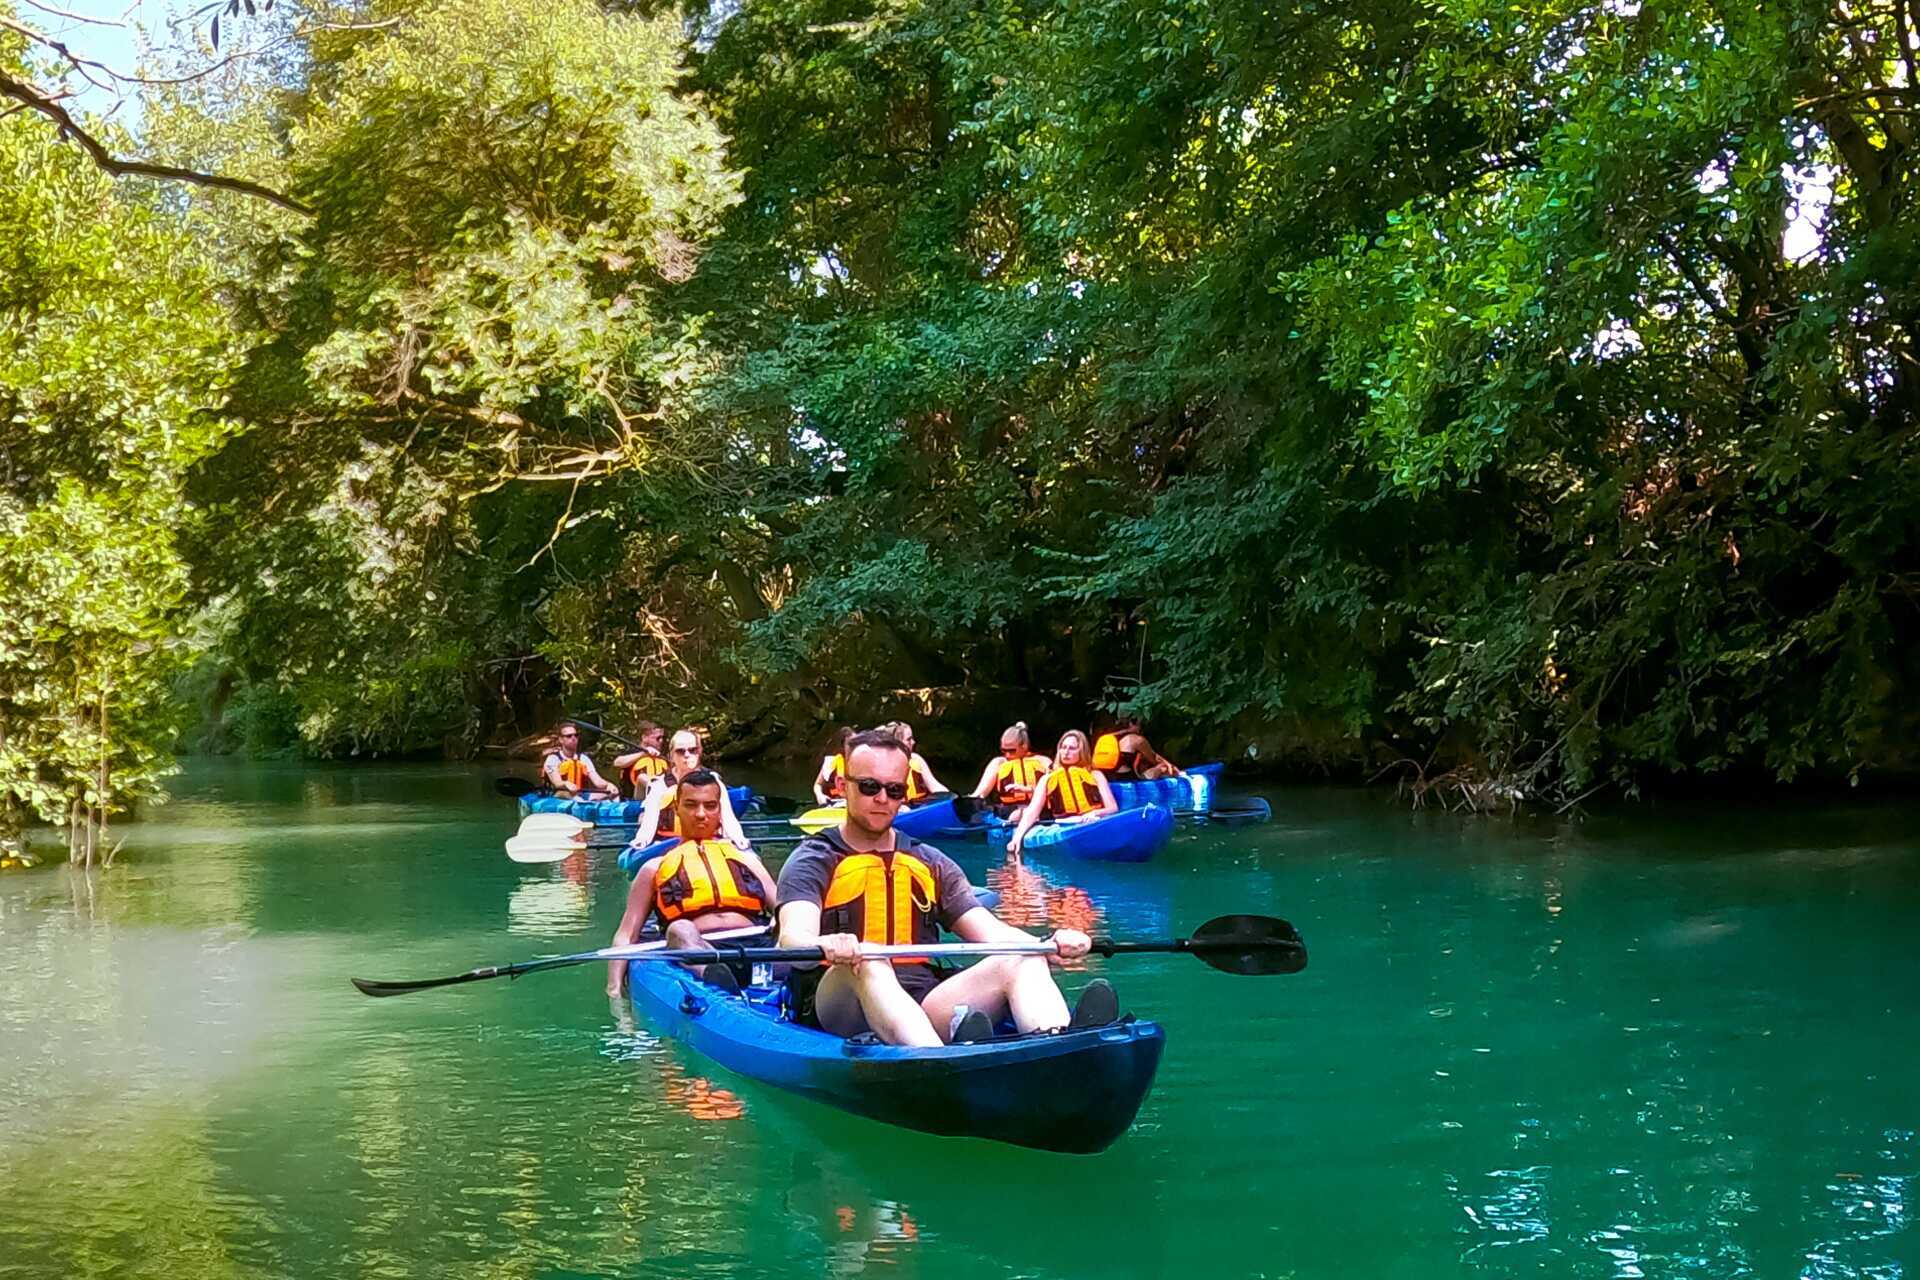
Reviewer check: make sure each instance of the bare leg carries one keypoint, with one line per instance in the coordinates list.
(1022, 985)
(869, 997)
(684, 935)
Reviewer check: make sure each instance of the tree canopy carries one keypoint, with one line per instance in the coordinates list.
(1523, 393)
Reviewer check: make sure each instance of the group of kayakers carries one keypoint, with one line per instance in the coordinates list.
(859, 882)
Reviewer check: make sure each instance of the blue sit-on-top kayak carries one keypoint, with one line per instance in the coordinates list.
(1131, 835)
(1073, 1091)
(612, 813)
(1192, 792)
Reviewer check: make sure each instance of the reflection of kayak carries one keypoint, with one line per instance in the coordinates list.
(1074, 1091)
(1195, 791)
(1131, 835)
(613, 812)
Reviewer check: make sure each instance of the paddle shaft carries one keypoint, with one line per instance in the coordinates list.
(632, 952)
(957, 950)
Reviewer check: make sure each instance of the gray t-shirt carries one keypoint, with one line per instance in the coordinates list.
(809, 870)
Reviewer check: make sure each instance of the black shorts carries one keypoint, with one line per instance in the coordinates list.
(802, 984)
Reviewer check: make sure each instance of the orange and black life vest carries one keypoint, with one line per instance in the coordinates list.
(1016, 779)
(669, 820)
(572, 773)
(645, 770)
(915, 767)
(698, 876)
(883, 898)
(836, 785)
(1071, 790)
(1109, 758)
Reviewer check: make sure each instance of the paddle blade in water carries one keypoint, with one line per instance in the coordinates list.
(1256, 946)
(514, 788)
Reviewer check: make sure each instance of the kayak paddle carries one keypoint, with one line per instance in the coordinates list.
(535, 966)
(1255, 946)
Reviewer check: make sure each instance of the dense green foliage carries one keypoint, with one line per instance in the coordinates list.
(1525, 390)
(113, 356)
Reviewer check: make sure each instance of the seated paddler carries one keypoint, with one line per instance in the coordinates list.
(1070, 792)
(864, 882)
(658, 817)
(921, 784)
(644, 765)
(1124, 755)
(700, 886)
(569, 770)
(1008, 781)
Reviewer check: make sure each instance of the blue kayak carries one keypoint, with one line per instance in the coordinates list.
(1072, 1091)
(1131, 835)
(1193, 792)
(612, 813)
(924, 821)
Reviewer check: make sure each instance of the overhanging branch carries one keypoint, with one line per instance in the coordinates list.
(49, 106)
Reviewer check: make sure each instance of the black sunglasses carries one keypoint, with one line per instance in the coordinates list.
(873, 787)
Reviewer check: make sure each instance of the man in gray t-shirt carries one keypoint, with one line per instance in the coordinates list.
(864, 881)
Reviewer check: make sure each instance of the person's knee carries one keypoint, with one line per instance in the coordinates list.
(684, 934)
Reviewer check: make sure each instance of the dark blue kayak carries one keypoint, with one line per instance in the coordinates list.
(609, 813)
(1072, 1091)
(1193, 792)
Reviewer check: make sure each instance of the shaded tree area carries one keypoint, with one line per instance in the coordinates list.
(1519, 398)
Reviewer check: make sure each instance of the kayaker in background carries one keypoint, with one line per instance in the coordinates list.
(658, 817)
(701, 885)
(570, 772)
(646, 764)
(865, 881)
(829, 785)
(1124, 755)
(920, 780)
(1070, 792)
(1010, 777)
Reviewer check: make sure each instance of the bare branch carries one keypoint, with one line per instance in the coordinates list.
(77, 17)
(50, 107)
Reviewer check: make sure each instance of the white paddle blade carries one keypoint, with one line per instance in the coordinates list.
(544, 847)
(564, 824)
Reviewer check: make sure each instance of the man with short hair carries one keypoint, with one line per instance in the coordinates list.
(569, 770)
(863, 881)
(699, 886)
(657, 818)
(647, 763)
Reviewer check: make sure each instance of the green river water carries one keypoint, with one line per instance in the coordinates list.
(1664, 1042)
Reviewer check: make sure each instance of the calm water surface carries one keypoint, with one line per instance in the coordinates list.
(1662, 1043)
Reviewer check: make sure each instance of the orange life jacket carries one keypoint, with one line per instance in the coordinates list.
(883, 898)
(1106, 751)
(698, 876)
(645, 770)
(1071, 791)
(836, 786)
(915, 767)
(573, 773)
(1016, 779)
(669, 821)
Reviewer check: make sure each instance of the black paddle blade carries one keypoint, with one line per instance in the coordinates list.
(514, 788)
(1256, 946)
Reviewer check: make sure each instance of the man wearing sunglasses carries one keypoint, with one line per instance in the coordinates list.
(865, 882)
(657, 818)
(570, 772)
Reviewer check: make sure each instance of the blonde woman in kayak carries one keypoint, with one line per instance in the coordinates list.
(1070, 792)
(1010, 777)
(657, 817)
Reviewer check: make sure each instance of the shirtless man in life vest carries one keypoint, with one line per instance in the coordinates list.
(832, 878)
(701, 885)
